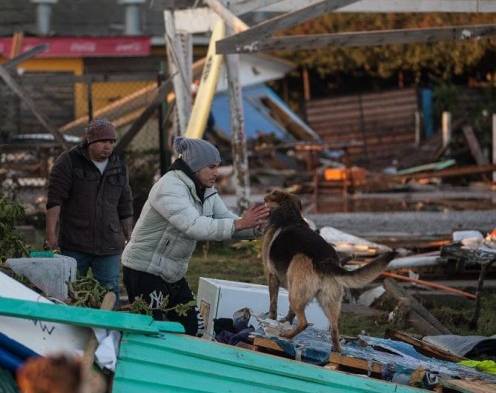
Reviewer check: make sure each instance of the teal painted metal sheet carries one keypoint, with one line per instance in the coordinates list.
(179, 363)
(88, 317)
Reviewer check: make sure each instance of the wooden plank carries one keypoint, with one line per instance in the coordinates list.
(360, 364)
(19, 91)
(466, 386)
(474, 145)
(291, 122)
(206, 90)
(265, 29)
(423, 347)
(359, 39)
(15, 48)
(238, 143)
(87, 317)
(267, 343)
(453, 172)
(130, 103)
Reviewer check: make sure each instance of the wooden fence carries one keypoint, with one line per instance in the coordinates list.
(374, 126)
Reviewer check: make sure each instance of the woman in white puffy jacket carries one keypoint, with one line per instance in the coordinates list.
(182, 208)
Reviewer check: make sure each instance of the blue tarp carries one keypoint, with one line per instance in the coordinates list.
(257, 116)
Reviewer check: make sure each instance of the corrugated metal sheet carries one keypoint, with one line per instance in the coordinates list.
(381, 123)
(179, 363)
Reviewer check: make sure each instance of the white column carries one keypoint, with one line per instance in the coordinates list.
(446, 127)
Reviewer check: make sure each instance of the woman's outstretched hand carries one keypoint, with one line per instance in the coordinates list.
(254, 216)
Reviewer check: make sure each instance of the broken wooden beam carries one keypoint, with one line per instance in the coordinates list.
(400, 294)
(474, 145)
(252, 39)
(423, 347)
(475, 318)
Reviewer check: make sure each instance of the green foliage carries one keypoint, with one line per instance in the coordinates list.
(87, 292)
(140, 306)
(446, 97)
(441, 59)
(12, 244)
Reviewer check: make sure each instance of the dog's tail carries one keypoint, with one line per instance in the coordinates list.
(360, 277)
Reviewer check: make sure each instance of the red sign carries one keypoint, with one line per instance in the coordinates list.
(83, 46)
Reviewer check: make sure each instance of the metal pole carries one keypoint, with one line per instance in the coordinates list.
(494, 145)
(90, 97)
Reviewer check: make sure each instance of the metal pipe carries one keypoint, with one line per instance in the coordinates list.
(132, 17)
(43, 15)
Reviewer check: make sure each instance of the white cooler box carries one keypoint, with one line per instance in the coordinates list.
(221, 298)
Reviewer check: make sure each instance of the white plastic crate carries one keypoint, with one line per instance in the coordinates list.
(221, 298)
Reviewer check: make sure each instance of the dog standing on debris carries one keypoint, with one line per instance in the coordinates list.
(300, 260)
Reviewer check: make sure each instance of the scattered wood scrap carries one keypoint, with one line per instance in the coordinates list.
(468, 386)
(342, 362)
(266, 343)
(451, 172)
(423, 347)
(429, 284)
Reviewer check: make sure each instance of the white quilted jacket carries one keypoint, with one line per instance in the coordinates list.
(173, 219)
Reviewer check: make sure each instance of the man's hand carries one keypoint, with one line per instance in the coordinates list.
(127, 227)
(52, 219)
(255, 216)
(51, 241)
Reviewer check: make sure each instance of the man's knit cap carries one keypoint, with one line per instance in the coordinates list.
(197, 153)
(100, 130)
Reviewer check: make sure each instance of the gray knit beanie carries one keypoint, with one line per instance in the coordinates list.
(197, 153)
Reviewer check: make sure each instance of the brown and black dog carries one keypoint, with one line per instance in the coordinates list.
(300, 260)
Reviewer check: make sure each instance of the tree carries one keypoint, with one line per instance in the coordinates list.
(440, 60)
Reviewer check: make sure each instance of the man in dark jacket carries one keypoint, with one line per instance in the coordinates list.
(90, 198)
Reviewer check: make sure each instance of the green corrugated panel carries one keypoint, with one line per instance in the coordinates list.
(7, 382)
(89, 317)
(179, 363)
